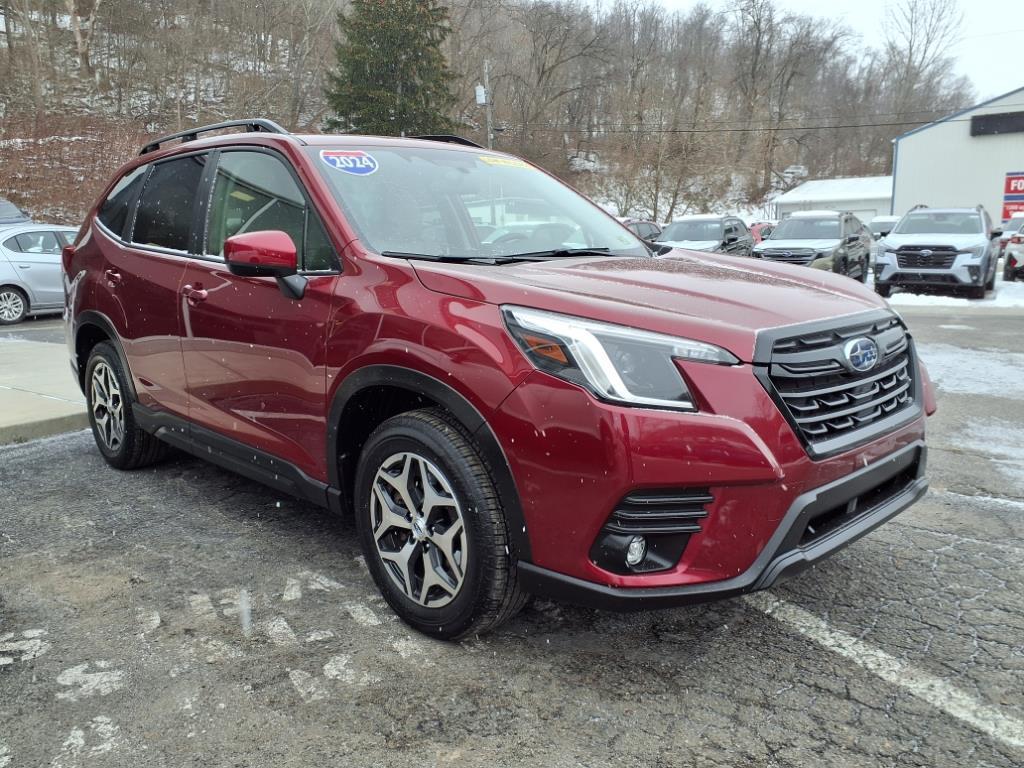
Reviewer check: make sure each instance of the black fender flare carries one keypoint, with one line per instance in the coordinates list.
(95, 319)
(459, 407)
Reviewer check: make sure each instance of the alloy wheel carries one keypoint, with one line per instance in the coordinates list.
(107, 406)
(12, 306)
(418, 529)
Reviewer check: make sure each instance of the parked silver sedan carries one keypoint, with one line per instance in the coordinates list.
(30, 270)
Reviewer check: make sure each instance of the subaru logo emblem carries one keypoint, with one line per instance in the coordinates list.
(925, 252)
(861, 354)
(787, 254)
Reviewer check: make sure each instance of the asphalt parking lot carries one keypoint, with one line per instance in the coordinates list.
(183, 616)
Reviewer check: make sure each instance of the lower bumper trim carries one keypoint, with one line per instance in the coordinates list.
(780, 558)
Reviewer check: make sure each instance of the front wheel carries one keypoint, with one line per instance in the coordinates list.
(885, 291)
(13, 305)
(432, 528)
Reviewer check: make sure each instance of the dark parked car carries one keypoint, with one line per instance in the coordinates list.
(10, 213)
(564, 415)
(721, 234)
(831, 240)
(645, 230)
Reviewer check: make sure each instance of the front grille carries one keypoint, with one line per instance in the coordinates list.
(832, 405)
(925, 257)
(789, 255)
(646, 513)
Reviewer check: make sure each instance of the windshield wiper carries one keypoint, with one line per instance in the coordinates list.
(561, 253)
(448, 259)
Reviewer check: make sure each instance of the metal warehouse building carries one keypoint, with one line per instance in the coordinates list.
(865, 197)
(968, 158)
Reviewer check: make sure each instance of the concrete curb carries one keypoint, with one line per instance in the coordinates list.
(33, 430)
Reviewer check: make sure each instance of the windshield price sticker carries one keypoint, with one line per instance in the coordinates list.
(507, 162)
(351, 161)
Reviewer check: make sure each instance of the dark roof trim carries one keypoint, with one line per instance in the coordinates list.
(947, 118)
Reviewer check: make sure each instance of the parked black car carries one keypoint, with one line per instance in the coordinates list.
(721, 234)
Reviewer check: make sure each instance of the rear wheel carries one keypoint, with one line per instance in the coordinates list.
(107, 393)
(13, 305)
(432, 528)
(1009, 275)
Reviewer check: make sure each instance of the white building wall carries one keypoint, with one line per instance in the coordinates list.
(863, 209)
(943, 165)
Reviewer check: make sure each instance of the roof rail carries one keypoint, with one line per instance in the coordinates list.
(448, 139)
(919, 206)
(257, 125)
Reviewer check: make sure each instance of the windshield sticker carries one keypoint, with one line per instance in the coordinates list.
(508, 162)
(351, 161)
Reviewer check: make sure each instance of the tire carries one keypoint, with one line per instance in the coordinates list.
(1009, 275)
(13, 305)
(108, 396)
(885, 291)
(401, 456)
(864, 267)
(991, 284)
(976, 292)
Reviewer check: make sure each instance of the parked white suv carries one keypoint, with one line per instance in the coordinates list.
(939, 248)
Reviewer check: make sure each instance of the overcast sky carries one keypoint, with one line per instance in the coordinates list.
(989, 48)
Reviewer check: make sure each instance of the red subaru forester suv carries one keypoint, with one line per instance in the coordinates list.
(509, 391)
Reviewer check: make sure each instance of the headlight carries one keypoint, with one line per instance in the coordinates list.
(975, 253)
(614, 362)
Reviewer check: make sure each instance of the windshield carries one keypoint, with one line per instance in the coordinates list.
(454, 204)
(935, 223)
(680, 231)
(806, 229)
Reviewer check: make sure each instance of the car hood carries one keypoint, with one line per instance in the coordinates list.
(816, 245)
(718, 299)
(693, 245)
(956, 241)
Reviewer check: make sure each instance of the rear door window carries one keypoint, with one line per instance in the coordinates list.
(255, 192)
(168, 203)
(37, 242)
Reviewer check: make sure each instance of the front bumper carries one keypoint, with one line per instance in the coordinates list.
(844, 510)
(964, 273)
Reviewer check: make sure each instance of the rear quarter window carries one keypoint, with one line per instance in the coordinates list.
(117, 207)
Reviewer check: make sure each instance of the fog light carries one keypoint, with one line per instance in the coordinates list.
(636, 551)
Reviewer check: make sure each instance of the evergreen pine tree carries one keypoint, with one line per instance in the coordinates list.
(392, 77)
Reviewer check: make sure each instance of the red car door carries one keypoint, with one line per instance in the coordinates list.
(254, 357)
(143, 260)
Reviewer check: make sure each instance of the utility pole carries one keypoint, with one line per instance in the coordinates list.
(484, 99)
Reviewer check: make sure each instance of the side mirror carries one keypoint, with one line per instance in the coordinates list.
(884, 233)
(852, 238)
(731, 240)
(270, 253)
(997, 233)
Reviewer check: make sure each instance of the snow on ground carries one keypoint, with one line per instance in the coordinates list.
(962, 371)
(1005, 296)
(1002, 440)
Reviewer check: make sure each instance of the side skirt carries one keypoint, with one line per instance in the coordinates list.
(234, 456)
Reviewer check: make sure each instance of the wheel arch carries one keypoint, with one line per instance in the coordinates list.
(372, 394)
(92, 328)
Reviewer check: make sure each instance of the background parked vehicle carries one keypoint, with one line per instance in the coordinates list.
(720, 234)
(832, 240)
(880, 226)
(642, 228)
(1013, 255)
(940, 249)
(1010, 227)
(759, 230)
(30, 276)
(10, 213)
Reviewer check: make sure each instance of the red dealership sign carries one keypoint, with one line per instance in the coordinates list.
(1013, 194)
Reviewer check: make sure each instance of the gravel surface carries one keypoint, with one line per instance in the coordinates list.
(182, 615)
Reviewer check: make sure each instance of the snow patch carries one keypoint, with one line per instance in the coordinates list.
(993, 372)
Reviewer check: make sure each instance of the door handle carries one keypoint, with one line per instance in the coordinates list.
(194, 293)
(113, 276)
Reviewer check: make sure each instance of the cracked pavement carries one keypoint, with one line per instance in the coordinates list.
(182, 615)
